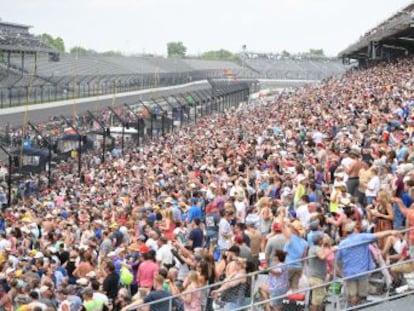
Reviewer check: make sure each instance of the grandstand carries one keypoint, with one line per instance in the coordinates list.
(16, 38)
(295, 69)
(33, 72)
(391, 39)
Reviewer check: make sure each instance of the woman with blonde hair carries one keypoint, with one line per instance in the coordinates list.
(381, 214)
(191, 296)
(168, 225)
(265, 218)
(234, 286)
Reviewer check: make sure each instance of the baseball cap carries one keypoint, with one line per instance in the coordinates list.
(144, 249)
(276, 227)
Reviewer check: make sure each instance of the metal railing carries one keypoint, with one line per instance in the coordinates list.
(251, 304)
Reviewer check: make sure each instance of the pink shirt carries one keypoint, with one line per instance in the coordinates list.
(146, 273)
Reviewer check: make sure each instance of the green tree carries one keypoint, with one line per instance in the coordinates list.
(285, 53)
(78, 50)
(56, 43)
(316, 52)
(59, 44)
(111, 53)
(176, 49)
(219, 55)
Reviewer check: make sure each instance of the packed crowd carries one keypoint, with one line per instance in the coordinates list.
(263, 186)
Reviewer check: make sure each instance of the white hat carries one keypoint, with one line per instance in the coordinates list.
(39, 255)
(91, 274)
(286, 191)
(112, 254)
(82, 282)
(300, 177)
(43, 289)
(52, 249)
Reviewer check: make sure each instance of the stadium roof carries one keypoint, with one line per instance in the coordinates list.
(2, 23)
(395, 32)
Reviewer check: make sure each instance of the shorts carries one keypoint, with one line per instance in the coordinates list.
(294, 276)
(274, 300)
(318, 294)
(357, 288)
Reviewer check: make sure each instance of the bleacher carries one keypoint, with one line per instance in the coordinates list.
(296, 69)
(27, 65)
(16, 37)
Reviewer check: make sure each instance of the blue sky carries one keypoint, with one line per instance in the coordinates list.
(136, 26)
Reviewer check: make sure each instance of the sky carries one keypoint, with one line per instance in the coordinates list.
(145, 26)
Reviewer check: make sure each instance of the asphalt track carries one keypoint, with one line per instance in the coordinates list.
(15, 116)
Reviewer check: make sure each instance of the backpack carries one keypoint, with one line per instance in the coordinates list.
(125, 277)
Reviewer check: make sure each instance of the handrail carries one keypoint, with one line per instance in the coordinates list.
(325, 284)
(253, 274)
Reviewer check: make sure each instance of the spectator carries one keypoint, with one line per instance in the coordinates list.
(355, 258)
(317, 269)
(278, 283)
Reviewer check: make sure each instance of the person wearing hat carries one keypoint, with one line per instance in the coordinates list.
(147, 270)
(276, 241)
(316, 270)
(357, 260)
(296, 248)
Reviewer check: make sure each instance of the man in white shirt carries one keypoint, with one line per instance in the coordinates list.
(225, 231)
(4, 243)
(304, 212)
(164, 255)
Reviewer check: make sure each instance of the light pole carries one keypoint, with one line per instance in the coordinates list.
(138, 120)
(162, 116)
(49, 158)
(181, 109)
(79, 147)
(151, 115)
(123, 128)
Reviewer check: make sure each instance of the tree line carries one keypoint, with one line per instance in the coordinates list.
(175, 49)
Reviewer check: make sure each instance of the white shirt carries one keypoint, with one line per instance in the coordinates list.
(373, 187)
(4, 243)
(164, 255)
(100, 297)
(241, 210)
(152, 244)
(224, 227)
(302, 213)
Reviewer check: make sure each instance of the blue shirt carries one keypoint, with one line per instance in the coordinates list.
(399, 218)
(194, 212)
(402, 152)
(295, 249)
(357, 259)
